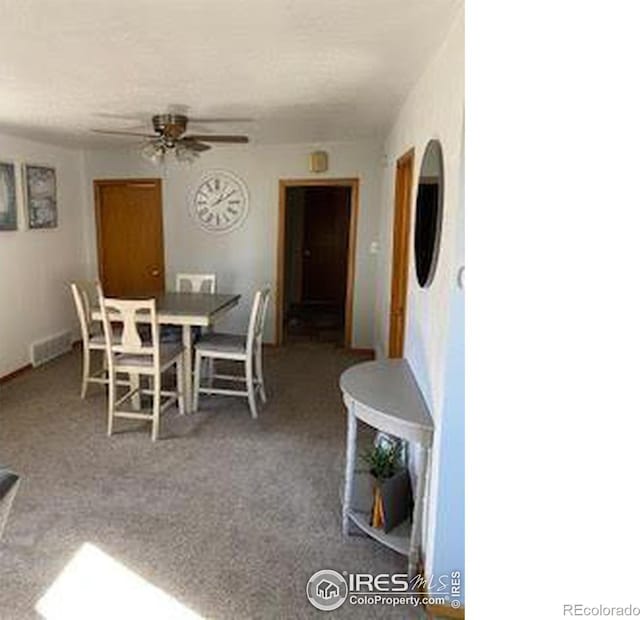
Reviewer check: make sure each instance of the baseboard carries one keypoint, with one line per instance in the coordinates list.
(15, 373)
(20, 371)
(369, 352)
(439, 611)
(445, 611)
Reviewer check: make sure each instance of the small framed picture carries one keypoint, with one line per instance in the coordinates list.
(41, 198)
(8, 197)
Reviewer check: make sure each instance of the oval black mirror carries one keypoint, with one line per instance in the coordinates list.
(429, 213)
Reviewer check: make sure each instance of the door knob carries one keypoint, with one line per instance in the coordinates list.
(155, 272)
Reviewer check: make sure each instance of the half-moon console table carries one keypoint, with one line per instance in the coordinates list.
(384, 394)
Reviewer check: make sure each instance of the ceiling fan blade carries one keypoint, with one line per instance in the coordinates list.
(222, 139)
(141, 118)
(192, 144)
(125, 133)
(221, 120)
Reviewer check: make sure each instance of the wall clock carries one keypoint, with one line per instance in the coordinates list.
(220, 202)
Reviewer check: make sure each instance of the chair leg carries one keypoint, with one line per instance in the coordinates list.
(105, 366)
(263, 394)
(211, 370)
(250, 387)
(86, 369)
(180, 384)
(157, 386)
(134, 380)
(196, 381)
(111, 403)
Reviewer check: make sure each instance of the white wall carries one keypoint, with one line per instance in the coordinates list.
(433, 109)
(35, 265)
(449, 552)
(246, 258)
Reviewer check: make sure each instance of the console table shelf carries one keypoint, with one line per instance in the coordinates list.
(360, 514)
(384, 395)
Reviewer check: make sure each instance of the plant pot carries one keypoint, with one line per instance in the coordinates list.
(377, 512)
(391, 500)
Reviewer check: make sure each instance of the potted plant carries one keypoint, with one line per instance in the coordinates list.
(390, 484)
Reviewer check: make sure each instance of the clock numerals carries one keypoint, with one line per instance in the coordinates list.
(205, 215)
(220, 202)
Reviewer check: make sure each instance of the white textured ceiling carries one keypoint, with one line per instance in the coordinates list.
(305, 71)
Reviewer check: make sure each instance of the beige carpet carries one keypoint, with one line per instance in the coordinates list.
(227, 515)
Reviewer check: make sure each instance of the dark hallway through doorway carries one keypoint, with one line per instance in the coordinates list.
(316, 259)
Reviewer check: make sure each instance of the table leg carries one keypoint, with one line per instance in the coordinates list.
(188, 372)
(422, 468)
(350, 467)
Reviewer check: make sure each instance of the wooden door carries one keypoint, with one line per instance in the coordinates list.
(326, 244)
(130, 240)
(400, 259)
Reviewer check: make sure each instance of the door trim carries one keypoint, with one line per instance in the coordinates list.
(400, 252)
(354, 185)
(99, 183)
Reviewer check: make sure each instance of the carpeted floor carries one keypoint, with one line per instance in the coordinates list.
(314, 322)
(228, 515)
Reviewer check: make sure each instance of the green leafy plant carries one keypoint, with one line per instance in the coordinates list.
(383, 461)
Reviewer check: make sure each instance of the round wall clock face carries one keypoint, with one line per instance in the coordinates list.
(220, 202)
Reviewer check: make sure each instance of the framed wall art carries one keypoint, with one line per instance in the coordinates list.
(8, 197)
(40, 196)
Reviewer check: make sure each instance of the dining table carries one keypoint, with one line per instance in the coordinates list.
(185, 310)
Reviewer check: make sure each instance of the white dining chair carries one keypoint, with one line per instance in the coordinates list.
(139, 357)
(196, 283)
(84, 293)
(189, 283)
(240, 348)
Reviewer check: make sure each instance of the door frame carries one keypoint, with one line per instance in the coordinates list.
(354, 185)
(99, 183)
(403, 193)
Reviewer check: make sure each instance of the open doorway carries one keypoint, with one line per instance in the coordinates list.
(316, 251)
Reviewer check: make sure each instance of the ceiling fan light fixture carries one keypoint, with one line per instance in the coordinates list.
(153, 152)
(185, 154)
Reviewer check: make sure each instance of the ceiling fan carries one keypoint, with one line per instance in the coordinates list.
(170, 135)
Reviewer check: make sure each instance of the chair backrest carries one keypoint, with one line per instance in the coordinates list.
(196, 283)
(84, 292)
(257, 319)
(129, 313)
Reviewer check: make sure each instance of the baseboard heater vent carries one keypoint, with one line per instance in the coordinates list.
(49, 348)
